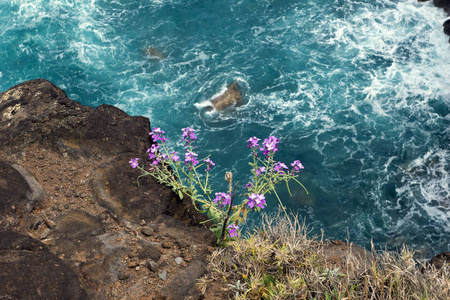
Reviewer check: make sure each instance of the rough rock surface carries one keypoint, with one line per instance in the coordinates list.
(69, 199)
(446, 26)
(347, 256)
(445, 4)
(441, 260)
(28, 270)
(231, 97)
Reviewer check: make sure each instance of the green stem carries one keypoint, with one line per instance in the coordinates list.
(279, 200)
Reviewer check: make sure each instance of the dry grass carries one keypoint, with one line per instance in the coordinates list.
(279, 261)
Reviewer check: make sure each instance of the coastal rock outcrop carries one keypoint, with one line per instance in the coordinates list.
(70, 200)
(446, 26)
(445, 4)
(231, 97)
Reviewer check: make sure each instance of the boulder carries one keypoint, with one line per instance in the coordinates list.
(39, 112)
(231, 97)
(446, 26)
(441, 260)
(154, 53)
(19, 193)
(183, 285)
(445, 4)
(29, 271)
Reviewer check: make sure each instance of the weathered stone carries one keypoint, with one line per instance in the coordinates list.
(151, 252)
(178, 260)
(444, 4)
(152, 266)
(29, 271)
(148, 231)
(163, 275)
(232, 96)
(123, 276)
(37, 111)
(46, 233)
(346, 256)
(441, 260)
(183, 283)
(19, 193)
(153, 53)
(446, 26)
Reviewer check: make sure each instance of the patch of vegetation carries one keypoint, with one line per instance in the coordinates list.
(280, 261)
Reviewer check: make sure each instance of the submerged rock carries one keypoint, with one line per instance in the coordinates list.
(231, 97)
(154, 53)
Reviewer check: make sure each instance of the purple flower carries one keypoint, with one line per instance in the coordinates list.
(152, 151)
(232, 230)
(209, 164)
(222, 199)
(257, 200)
(191, 157)
(260, 170)
(248, 185)
(297, 166)
(157, 135)
(155, 161)
(279, 166)
(188, 135)
(270, 145)
(175, 157)
(253, 142)
(133, 162)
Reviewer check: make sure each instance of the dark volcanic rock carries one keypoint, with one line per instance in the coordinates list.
(19, 193)
(441, 260)
(29, 271)
(446, 26)
(37, 111)
(116, 188)
(81, 157)
(445, 4)
(232, 96)
(183, 284)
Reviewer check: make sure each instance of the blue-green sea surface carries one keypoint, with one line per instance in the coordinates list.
(357, 90)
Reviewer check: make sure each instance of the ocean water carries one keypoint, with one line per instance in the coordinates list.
(358, 90)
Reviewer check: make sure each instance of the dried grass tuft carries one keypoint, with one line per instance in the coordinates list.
(280, 261)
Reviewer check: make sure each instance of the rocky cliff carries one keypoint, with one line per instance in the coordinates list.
(74, 224)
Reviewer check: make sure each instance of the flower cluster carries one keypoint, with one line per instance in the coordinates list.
(260, 170)
(279, 166)
(253, 142)
(183, 176)
(157, 135)
(222, 199)
(270, 145)
(232, 230)
(297, 166)
(191, 157)
(134, 163)
(257, 200)
(188, 135)
(209, 164)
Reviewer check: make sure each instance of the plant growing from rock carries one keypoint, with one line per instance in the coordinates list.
(191, 177)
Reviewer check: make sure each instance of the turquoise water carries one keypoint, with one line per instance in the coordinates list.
(357, 90)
